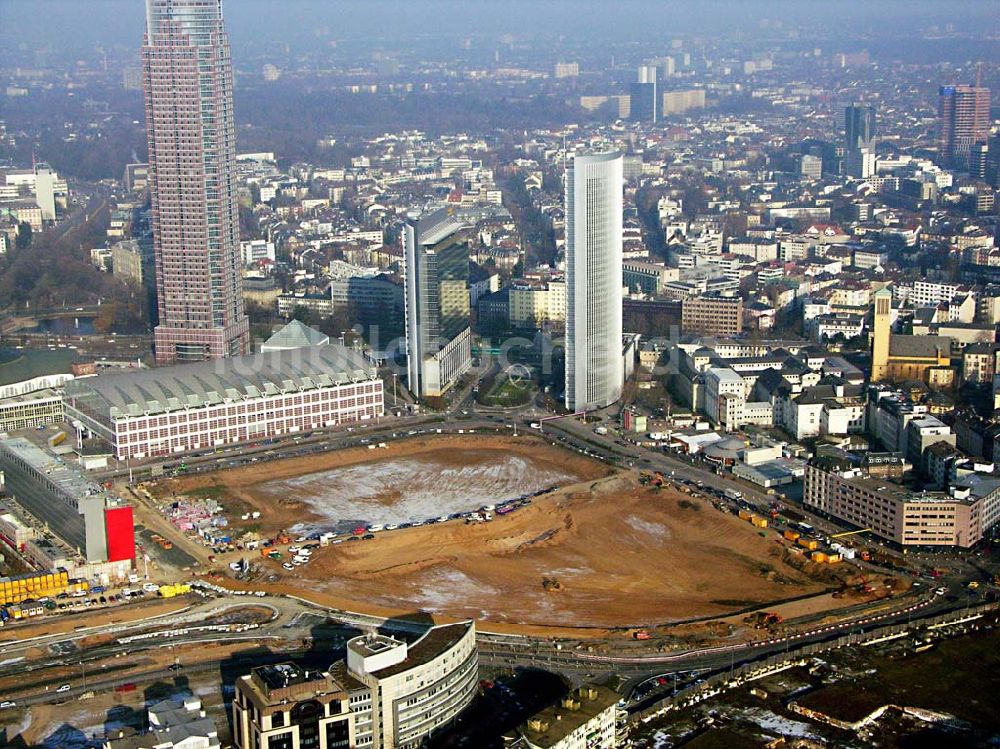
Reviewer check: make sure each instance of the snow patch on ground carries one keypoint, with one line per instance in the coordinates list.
(411, 489)
(782, 726)
(446, 588)
(645, 526)
(661, 740)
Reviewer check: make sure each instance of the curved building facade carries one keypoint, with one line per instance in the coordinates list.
(410, 690)
(594, 364)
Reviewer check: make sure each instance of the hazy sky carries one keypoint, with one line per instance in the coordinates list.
(75, 25)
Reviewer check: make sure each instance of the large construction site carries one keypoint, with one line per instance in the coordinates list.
(592, 548)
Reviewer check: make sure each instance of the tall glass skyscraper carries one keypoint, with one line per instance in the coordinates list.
(438, 332)
(188, 85)
(859, 140)
(594, 362)
(859, 126)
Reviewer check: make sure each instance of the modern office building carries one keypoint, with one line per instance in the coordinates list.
(594, 365)
(45, 191)
(39, 186)
(712, 314)
(436, 293)
(96, 525)
(676, 102)
(284, 706)
(536, 303)
(859, 126)
(567, 69)
(643, 277)
(992, 170)
(189, 407)
(963, 120)
(642, 93)
(835, 484)
(390, 693)
(859, 140)
(410, 690)
(188, 81)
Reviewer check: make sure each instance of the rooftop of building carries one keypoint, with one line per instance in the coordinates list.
(295, 334)
(280, 682)
(830, 458)
(207, 383)
(724, 374)
(437, 225)
(919, 346)
(553, 724)
(19, 365)
(433, 643)
(48, 394)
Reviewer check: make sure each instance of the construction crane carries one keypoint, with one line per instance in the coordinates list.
(850, 533)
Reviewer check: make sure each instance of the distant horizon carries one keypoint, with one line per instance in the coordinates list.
(76, 26)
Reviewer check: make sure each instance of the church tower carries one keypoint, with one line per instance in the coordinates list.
(881, 334)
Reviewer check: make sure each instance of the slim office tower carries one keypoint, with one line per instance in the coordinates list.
(964, 119)
(594, 363)
(642, 95)
(438, 332)
(992, 175)
(188, 84)
(859, 140)
(859, 126)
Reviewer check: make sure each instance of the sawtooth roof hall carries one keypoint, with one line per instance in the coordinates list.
(192, 407)
(186, 386)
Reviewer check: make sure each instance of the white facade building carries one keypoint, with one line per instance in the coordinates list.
(255, 250)
(412, 690)
(722, 383)
(184, 408)
(594, 367)
(534, 303)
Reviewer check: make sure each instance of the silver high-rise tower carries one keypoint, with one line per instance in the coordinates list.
(438, 332)
(188, 85)
(594, 362)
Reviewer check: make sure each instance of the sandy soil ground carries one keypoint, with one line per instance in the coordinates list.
(597, 554)
(603, 553)
(253, 486)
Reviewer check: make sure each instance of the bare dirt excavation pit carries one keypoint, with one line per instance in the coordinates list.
(600, 551)
(416, 488)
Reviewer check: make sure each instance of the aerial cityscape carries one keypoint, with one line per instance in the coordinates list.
(562, 375)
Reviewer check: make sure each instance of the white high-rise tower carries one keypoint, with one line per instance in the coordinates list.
(594, 363)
